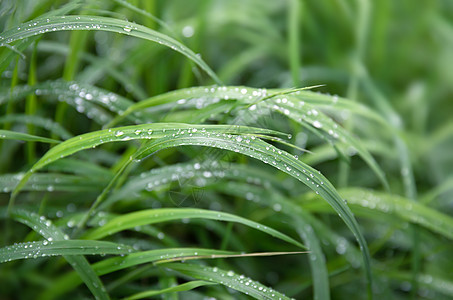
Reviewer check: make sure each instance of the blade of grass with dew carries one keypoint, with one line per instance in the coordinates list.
(277, 202)
(13, 135)
(394, 205)
(248, 95)
(161, 177)
(81, 22)
(306, 114)
(404, 208)
(45, 123)
(153, 216)
(69, 281)
(74, 93)
(52, 182)
(44, 227)
(61, 248)
(289, 105)
(227, 278)
(281, 160)
(7, 56)
(91, 110)
(179, 288)
(137, 132)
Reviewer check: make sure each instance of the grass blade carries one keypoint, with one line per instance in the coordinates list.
(54, 248)
(64, 23)
(404, 208)
(13, 135)
(45, 228)
(145, 131)
(153, 216)
(71, 280)
(281, 160)
(227, 278)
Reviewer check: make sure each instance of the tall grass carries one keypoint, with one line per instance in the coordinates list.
(226, 149)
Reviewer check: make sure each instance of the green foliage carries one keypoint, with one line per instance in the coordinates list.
(127, 174)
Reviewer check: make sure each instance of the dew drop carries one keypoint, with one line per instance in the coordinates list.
(317, 124)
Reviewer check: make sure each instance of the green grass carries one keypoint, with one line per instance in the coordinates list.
(226, 149)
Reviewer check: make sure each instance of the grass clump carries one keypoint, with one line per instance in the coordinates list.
(225, 149)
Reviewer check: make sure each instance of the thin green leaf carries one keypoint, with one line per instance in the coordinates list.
(404, 208)
(227, 278)
(54, 248)
(279, 159)
(153, 216)
(64, 23)
(13, 135)
(44, 227)
(144, 131)
(71, 280)
(45, 123)
(51, 182)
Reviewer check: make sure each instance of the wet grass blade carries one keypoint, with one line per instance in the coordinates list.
(57, 248)
(65, 23)
(44, 227)
(227, 278)
(52, 182)
(137, 132)
(281, 160)
(154, 216)
(109, 265)
(404, 208)
(13, 135)
(45, 123)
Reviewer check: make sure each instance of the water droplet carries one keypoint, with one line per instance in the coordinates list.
(317, 124)
(188, 31)
(277, 207)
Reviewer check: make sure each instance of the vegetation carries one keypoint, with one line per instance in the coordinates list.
(226, 149)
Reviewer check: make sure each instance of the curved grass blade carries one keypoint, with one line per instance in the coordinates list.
(152, 216)
(404, 208)
(7, 56)
(45, 123)
(109, 265)
(85, 98)
(280, 204)
(179, 288)
(307, 114)
(57, 248)
(281, 160)
(52, 183)
(247, 145)
(288, 103)
(83, 268)
(227, 278)
(13, 135)
(63, 23)
(136, 132)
